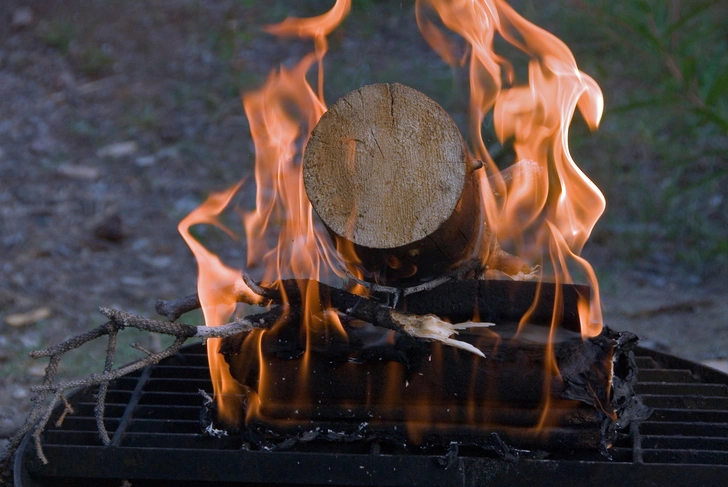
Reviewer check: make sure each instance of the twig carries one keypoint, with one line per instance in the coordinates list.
(254, 286)
(138, 346)
(104, 387)
(67, 409)
(42, 408)
(172, 310)
(176, 308)
(428, 327)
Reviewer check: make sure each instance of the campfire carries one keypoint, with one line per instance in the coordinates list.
(380, 237)
(409, 291)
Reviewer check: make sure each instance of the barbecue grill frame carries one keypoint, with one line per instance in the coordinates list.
(638, 459)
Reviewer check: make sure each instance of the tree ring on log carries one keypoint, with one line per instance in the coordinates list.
(388, 172)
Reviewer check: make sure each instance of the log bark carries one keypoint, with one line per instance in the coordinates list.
(385, 378)
(389, 174)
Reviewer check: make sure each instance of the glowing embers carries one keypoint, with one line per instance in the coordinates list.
(364, 381)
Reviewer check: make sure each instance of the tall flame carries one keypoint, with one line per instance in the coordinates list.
(218, 287)
(542, 205)
(281, 114)
(548, 195)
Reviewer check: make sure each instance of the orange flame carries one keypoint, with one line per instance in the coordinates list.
(543, 202)
(280, 113)
(218, 288)
(547, 192)
(318, 28)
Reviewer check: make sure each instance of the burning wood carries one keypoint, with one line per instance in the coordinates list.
(312, 376)
(409, 209)
(392, 179)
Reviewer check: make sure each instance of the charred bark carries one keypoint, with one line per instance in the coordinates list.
(387, 378)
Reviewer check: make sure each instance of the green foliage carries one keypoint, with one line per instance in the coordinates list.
(145, 118)
(688, 39)
(60, 34)
(57, 34)
(95, 61)
(668, 68)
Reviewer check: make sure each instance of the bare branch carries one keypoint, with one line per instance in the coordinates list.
(254, 286)
(67, 409)
(176, 308)
(71, 343)
(53, 389)
(123, 319)
(172, 310)
(47, 395)
(138, 346)
(427, 327)
(104, 387)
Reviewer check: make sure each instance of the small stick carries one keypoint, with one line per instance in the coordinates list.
(172, 310)
(42, 409)
(104, 387)
(427, 327)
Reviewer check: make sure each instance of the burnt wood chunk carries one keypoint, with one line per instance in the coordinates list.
(387, 379)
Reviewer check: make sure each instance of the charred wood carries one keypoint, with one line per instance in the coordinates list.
(384, 377)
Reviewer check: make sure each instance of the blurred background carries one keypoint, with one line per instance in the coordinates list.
(118, 118)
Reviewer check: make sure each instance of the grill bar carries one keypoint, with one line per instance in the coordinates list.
(158, 438)
(293, 468)
(131, 405)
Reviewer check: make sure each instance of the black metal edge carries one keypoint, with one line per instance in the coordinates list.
(672, 474)
(21, 478)
(126, 418)
(293, 468)
(701, 372)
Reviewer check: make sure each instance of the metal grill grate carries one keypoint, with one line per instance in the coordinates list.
(157, 440)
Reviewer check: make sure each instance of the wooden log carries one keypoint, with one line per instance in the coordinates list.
(385, 378)
(512, 374)
(389, 174)
(496, 301)
(342, 374)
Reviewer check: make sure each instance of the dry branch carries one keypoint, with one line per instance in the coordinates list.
(51, 391)
(426, 326)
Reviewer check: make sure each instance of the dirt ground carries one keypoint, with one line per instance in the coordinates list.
(116, 122)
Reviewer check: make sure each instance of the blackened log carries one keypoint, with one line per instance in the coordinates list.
(500, 301)
(386, 378)
(495, 301)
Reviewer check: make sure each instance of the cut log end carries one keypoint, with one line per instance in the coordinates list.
(385, 166)
(388, 172)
